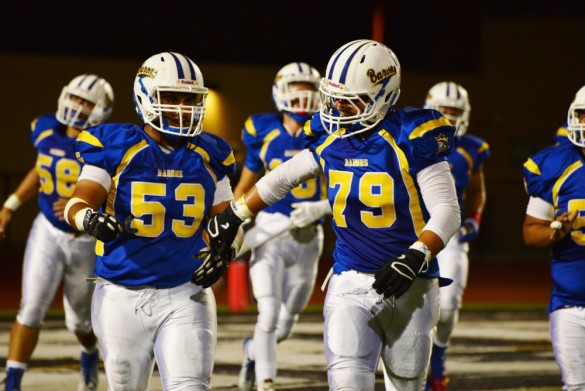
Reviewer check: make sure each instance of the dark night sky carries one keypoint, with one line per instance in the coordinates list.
(426, 35)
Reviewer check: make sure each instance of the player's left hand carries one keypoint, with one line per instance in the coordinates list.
(59, 208)
(213, 267)
(397, 275)
(469, 230)
(307, 212)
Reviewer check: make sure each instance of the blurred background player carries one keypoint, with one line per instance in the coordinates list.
(466, 162)
(554, 219)
(282, 270)
(154, 185)
(394, 208)
(54, 252)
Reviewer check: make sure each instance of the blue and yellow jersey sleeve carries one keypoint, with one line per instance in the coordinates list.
(106, 146)
(426, 134)
(258, 130)
(545, 171)
(43, 127)
(475, 150)
(217, 152)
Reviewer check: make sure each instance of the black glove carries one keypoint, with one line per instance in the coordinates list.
(222, 230)
(105, 227)
(213, 267)
(396, 276)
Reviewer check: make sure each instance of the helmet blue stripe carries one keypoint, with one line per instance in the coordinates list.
(92, 83)
(193, 73)
(81, 81)
(181, 74)
(448, 88)
(348, 62)
(330, 76)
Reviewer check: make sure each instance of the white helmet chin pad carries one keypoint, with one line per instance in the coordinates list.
(92, 89)
(176, 74)
(361, 84)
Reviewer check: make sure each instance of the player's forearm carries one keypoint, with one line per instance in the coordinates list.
(280, 181)
(440, 198)
(537, 235)
(27, 188)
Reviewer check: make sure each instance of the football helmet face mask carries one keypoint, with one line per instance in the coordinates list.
(300, 103)
(95, 91)
(450, 95)
(176, 74)
(361, 85)
(575, 128)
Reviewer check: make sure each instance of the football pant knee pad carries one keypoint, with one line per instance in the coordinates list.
(268, 311)
(409, 356)
(286, 320)
(447, 321)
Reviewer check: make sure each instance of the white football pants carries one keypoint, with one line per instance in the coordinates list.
(53, 257)
(567, 331)
(362, 326)
(283, 273)
(454, 264)
(175, 326)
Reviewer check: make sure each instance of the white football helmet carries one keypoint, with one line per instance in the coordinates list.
(576, 129)
(364, 74)
(170, 72)
(307, 101)
(91, 88)
(452, 95)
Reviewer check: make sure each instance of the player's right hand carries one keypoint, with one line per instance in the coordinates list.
(105, 227)
(397, 275)
(222, 229)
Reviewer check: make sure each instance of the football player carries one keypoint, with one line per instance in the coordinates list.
(54, 252)
(466, 162)
(282, 270)
(394, 208)
(554, 219)
(144, 192)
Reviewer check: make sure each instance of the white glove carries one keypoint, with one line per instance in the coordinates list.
(306, 213)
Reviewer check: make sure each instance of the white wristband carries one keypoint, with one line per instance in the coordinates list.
(12, 202)
(79, 216)
(241, 209)
(420, 246)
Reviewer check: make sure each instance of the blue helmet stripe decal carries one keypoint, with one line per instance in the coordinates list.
(300, 67)
(92, 83)
(193, 73)
(448, 88)
(81, 81)
(348, 62)
(180, 73)
(330, 76)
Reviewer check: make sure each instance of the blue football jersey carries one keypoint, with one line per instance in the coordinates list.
(560, 136)
(268, 145)
(467, 157)
(557, 175)
(56, 165)
(169, 196)
(377, 207)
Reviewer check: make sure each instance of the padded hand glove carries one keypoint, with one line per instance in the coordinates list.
(397, 275)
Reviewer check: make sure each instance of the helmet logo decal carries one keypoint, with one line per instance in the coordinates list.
(442, 143)
(376, 77)
(147, 71)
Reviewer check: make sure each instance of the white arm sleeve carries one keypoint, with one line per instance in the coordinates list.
(439, 195)
(277, 183)
(96, 174)
(540, 209)
(223, 191)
